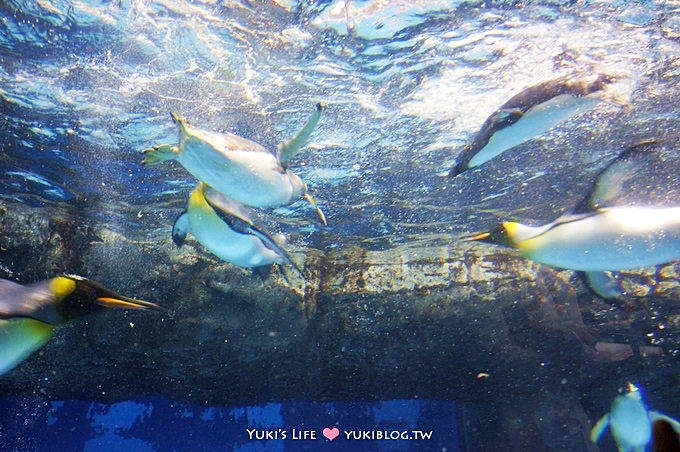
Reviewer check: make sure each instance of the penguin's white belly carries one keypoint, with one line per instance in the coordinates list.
(630, 425)
(239, 249)
(617, 238)
(251, 178)
(534, 122)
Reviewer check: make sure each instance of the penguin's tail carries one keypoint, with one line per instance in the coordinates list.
(155, 155)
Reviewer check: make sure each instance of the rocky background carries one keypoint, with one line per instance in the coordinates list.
(530, 353)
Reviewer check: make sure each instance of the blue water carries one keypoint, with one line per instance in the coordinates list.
(158, 424)
(85, 85)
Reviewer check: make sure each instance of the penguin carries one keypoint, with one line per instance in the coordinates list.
(30, 314)
(226, 229)
(239, 168)
(597, 237)
(612, 238)
(529, 114)
(630, 422)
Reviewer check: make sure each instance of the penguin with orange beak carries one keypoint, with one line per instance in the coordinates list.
(598, 236)
(30, 314)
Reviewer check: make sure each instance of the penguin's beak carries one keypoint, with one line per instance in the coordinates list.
(483, 236)
(319, 212)
(90, 290)
(121, 302)
(498, 235)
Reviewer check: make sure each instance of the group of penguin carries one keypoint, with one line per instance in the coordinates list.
(596, 237)
(235, 174)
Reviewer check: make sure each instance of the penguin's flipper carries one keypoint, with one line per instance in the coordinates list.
(271, 244)
(599, 428)
(603, 284)
(244, 227)
(611, 180)
(240, 219)
(288, 150)
(155, 155)
(226, 208)
(237, 216)
(655, 416)
(559, 221)
(19, 338)
(180, 229)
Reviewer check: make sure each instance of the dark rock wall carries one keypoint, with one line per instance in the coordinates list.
(509, 339)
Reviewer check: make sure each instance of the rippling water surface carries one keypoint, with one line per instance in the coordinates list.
(86, 85)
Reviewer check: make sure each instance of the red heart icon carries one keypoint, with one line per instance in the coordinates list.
(331, 433)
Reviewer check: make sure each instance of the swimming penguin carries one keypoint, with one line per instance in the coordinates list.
(613, 238)
(226, 229)
(630, 422)
(30, 314)
(239, 168)
(596, 237)
(529, 114)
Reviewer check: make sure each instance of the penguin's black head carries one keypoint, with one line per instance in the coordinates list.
(601, 82)
(461, 165)
(498, 236)
(503, 118)
(78, 296)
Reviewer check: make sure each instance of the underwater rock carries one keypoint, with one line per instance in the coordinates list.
(35, 244)
(415, 321)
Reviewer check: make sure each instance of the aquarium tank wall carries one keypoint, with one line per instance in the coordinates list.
(339, 225)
